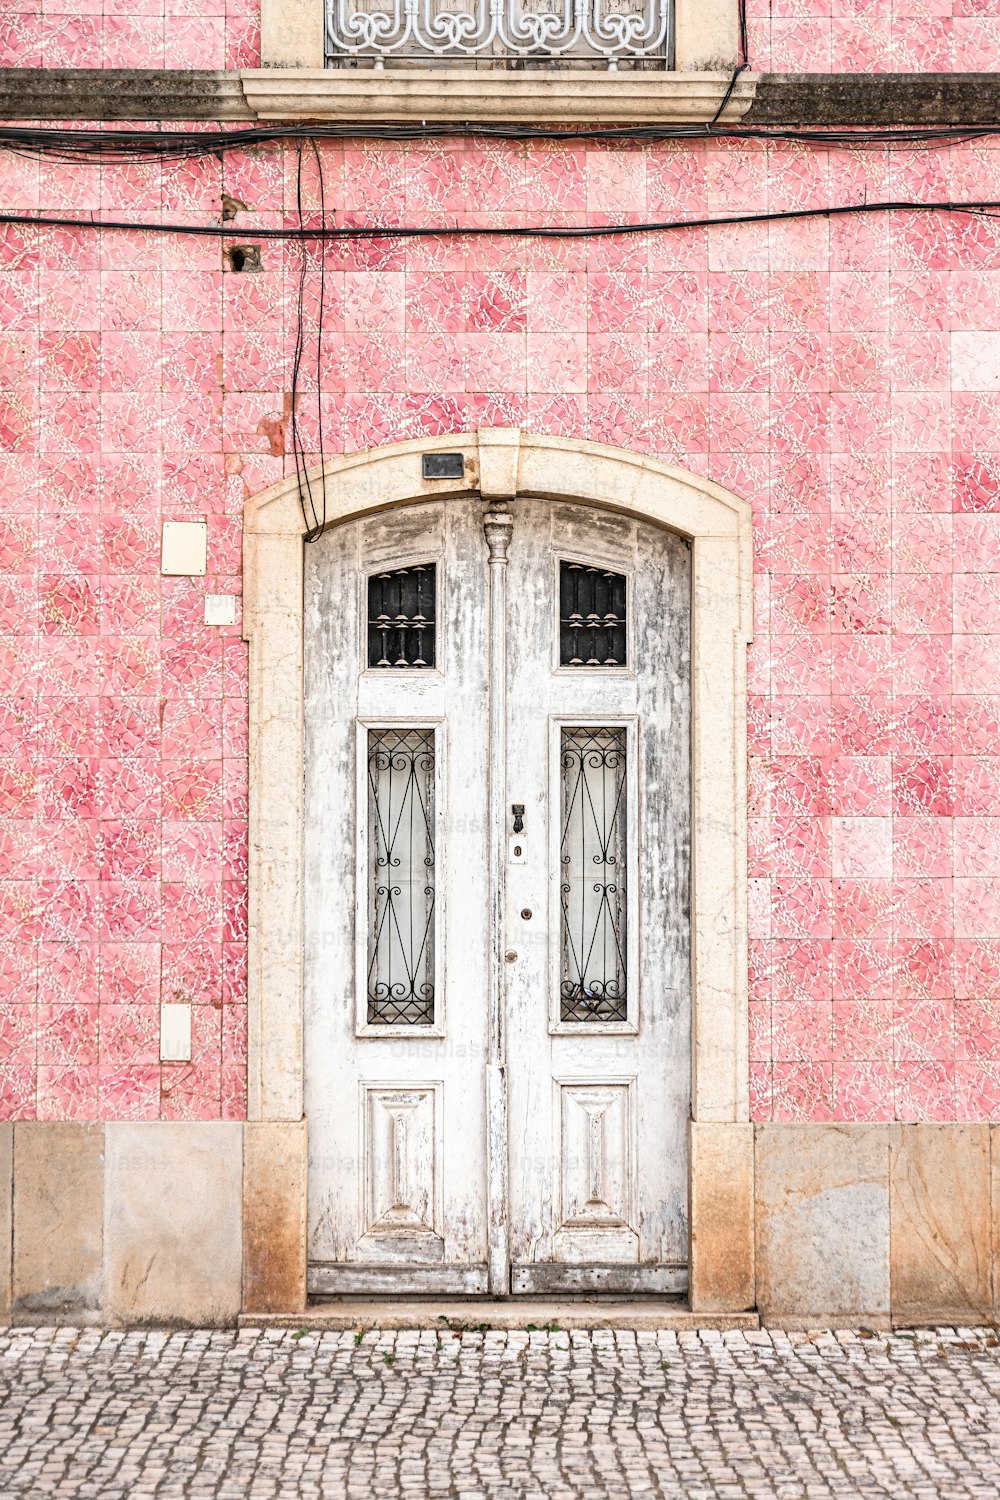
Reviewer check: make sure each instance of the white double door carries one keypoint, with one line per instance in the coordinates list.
(497, 1003)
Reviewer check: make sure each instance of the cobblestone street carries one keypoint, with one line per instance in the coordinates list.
(475, 1414)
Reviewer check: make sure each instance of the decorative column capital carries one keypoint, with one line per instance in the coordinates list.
(498, 526)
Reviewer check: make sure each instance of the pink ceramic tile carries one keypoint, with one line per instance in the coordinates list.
(67, 1093)
(924, 1031)
(977, 907)
(863, 1032)
(977, 1091)
(862, 968)
(862, 846)
(925, 909)
(801, 1031)
(922, 846)
(862, 1092)
(130, 1092)
(191, 909)
(129, 973)
(925, 1091)
(977, 1030)
(129, 1035)
(235, 972)
(192, 972)
(18, 1089)
(863, 909)
(802, 1091)
(761, 1086)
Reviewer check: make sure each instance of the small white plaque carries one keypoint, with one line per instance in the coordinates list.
(175, 1033)
(516, 854)
(220, 609)
(184, 551)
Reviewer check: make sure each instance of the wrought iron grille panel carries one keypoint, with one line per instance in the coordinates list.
(608, 33)
(591, 616)
(401, 617)
(594, 862)
(401, 878)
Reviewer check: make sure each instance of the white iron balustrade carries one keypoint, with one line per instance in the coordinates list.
(373, 32)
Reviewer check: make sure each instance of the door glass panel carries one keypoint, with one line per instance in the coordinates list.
(401, 617)
(401, 877)
(593, 856)
(591, 616)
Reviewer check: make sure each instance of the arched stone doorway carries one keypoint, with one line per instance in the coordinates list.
(710, 527)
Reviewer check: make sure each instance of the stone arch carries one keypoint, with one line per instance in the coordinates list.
(506, 462)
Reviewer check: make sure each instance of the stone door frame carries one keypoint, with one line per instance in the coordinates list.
(503, 463)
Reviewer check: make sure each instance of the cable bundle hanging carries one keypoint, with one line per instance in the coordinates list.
(314, 518)
(117, 146)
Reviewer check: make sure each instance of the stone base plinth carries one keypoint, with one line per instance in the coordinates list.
(201, 1223)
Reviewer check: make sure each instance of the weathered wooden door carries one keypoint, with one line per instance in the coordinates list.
(598, 964)
(497, 951)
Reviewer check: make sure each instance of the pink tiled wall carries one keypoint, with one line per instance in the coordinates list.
(130, 34)
(873, 36)
(843, 376)
(848, 36)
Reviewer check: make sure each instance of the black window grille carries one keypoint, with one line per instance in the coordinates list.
(591, 616)
(594, 865)
(401, 617)
(401, 877)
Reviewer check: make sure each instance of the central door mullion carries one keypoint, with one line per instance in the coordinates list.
(498, 524)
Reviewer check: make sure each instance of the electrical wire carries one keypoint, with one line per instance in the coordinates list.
(315, 519)
(742, 63)
(118, 146)
(332, 234)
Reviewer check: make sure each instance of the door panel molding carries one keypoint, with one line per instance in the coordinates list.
(552, 1279)
(500, 464)
(327, 1279)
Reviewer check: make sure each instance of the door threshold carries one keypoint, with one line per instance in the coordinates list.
(475, 1315)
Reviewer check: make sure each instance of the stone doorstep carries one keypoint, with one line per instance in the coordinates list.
(471, 1314)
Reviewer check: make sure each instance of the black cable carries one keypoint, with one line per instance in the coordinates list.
(131, 145)
(306, 501)
(710, 128)
(314, 518)
(319, 331)
(336, 234)
(742, 63)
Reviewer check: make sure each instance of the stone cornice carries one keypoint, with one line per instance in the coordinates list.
(480, 96)
(876, 99)
(140, 94)
(476, 97)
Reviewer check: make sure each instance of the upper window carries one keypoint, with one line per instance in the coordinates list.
(608, 33)
(591, 616)
(401, 617)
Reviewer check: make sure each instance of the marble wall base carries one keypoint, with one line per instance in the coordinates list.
(814, 1225)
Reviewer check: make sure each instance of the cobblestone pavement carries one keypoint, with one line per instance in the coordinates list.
(509, 1416)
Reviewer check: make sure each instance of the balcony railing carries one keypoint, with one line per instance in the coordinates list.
(500, 33)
